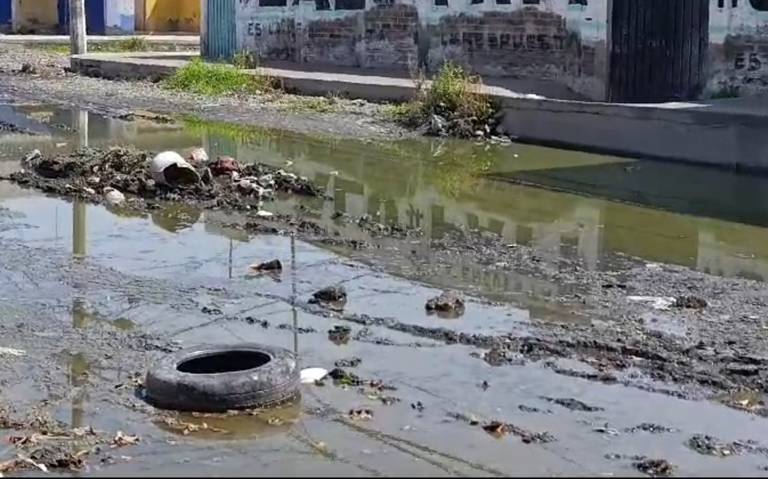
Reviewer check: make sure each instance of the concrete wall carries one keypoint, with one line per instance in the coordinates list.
(35, 16)
(119, 16)
(738, 48)
(553, 40)
(168, 15)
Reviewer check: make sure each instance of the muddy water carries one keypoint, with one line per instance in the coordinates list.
(179, 274)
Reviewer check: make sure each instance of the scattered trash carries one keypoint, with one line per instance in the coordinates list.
(572, 404)
(34, 464)
(311, 375)
(224, 165)
(340, 334)
(345, 378)
(604, 429)
(655, 467)
(206, 177)
(650, 427)
(332, 297)
(28, 440)
(121, 440)
(185, 428)
(275, 421)
(690, 302)
(28, 68)
(385, 400)
(331, 293)
(360, 414)
(274, 265)
(448, 303)
(169, 168)
(472, 420)
(113, 197)
(711, 446)
(348, 363)
(264, 214)
(57, 457)
(11, 352)
(198, 156)
(211, 310)
(656, 302)
(532, 409)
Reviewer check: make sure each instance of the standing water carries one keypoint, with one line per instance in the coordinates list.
(182, 274)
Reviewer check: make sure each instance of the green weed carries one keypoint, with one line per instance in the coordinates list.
(215, 80)
(454, 95)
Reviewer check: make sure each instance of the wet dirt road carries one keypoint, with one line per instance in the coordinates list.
(93, 297)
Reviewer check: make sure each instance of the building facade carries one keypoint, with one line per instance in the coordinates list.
(619, 50)
(110, 17)
(168, 15)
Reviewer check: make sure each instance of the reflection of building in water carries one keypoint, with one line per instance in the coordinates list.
(400, 187)
(719, 257)
(577, 231)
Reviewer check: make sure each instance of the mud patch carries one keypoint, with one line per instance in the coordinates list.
(572, 404)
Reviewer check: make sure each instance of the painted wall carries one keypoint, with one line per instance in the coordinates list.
(554, 40)
(119, 16)
(738, 48)
(168, 15)
(35, 16)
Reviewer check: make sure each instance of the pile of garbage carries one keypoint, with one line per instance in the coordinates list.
(132, 178)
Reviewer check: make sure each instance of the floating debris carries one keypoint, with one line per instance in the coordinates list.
(348, 363)
(360, 414)
(656, 302)
(274, 265)
(312, 375)
(448, 303)
(572, 404)
(690, 302)
(655, 467)
(121, 440)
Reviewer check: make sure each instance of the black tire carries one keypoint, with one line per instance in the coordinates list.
(200, 386)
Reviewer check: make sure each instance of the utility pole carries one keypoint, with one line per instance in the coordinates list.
(77, 44)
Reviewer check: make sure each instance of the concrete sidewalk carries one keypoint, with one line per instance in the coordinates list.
(190, 40)
(729, 133)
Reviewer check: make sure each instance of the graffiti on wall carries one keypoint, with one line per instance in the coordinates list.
(493, 39)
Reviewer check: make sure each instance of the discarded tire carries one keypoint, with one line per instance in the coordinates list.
(218, 378)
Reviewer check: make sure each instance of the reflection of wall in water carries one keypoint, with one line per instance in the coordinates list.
(436, 214)
(713, 260)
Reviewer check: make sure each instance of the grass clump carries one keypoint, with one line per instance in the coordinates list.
(245, 61)
(215, 80)
(454, 97)
(317, 104)
(132, 44)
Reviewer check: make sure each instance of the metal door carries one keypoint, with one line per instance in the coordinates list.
(658, 49)
(218, 41)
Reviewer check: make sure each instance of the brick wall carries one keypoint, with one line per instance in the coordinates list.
(738, 50)
(555, 40)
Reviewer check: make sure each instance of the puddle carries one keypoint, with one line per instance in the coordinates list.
(178, 274)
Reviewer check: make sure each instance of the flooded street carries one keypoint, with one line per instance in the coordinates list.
(93, 296)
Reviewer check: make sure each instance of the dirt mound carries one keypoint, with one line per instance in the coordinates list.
(86, 174)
